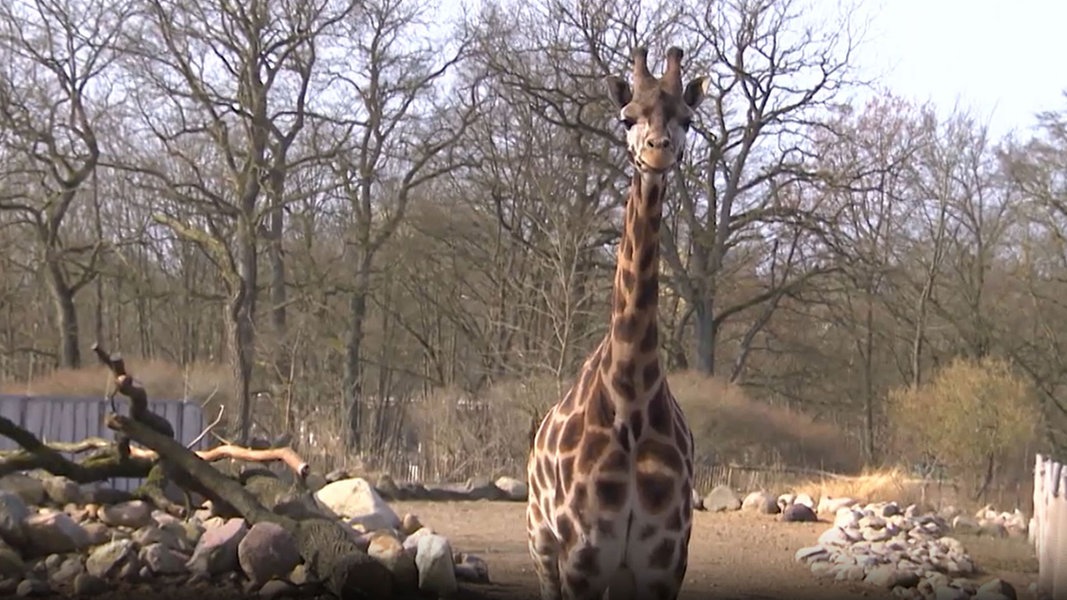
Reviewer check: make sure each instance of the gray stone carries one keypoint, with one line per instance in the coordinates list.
(267, 551)
(54, 533)
(62, 490)
(436, 567)
(33, 587)
(216, 552)
(110, 559)
(722, 499)
(89, 585)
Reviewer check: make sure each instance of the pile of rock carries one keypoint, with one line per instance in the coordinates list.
(987, 521)
(504, 489)
(59, 537)
(793, 508)
(906, 551)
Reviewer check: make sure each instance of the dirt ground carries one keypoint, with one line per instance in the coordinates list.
(732, 555)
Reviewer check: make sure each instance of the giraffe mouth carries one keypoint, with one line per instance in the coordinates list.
(656, 161)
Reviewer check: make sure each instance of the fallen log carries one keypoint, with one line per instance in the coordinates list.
(107, 462)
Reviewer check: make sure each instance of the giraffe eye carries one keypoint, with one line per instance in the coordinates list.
(686, 124)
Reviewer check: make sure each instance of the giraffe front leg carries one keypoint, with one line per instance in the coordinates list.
(545, 552)
(662, 576)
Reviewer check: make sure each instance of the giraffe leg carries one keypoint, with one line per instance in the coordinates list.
(587, 570)
(545, 552)
(660, 578)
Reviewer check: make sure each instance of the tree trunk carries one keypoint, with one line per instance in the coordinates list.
(277, 279)
(66, 317)
(705, 334)
(241, 326)
(868, 382)
(353, 375)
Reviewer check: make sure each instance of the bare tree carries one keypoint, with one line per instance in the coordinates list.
(52, 96)
(232, 84)
(770, 76)
(403, 137)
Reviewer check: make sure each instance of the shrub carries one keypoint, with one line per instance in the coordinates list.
(730, 427)
(971, 417)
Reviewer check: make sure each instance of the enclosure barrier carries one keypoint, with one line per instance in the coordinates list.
(1047, 527)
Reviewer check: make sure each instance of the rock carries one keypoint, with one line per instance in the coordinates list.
(965, 524)
(845, 518)
(299, 575)
(162, 560)
(355, 500)
(437, 571)
(33, 587)
(513, 489)
(947, 592)
(810, 553)
(13, 512)
(88, 585)
(30, 489)
(11, 564)
(805, 500)
(995, 589)
(267, 551)
(54, 533)
(67, 571)
(133, 514)
(829, 505)
(216, 551)
(97, 532)
(277, 588)
(109, 560)
(799, 513)
(760, 502)
(389, 551)
(835, 536)
(410, 524)
(722, 499)
(889, 577)
(62, 490)
(471, 568)
(411, 542)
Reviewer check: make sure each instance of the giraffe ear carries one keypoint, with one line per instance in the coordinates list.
(618, 91)
(695, 91)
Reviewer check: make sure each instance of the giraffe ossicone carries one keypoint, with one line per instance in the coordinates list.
(610, 470)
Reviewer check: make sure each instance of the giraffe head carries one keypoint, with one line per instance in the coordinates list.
(656, 111)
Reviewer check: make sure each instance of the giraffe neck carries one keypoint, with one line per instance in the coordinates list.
(632, 365)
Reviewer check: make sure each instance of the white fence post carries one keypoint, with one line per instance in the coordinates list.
(1047, 528)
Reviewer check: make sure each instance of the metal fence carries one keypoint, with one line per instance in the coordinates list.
(69, 419)
(1048, 527)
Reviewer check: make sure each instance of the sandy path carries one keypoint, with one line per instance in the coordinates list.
(732, 555)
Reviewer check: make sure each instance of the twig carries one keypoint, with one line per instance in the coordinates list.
(218, 419)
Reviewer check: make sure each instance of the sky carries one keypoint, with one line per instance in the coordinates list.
(1004, 59)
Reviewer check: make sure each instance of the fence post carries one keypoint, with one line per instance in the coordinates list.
(1047, 525)
(1058, 542)
(1034, 531)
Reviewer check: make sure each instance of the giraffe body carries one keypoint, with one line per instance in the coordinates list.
(611, 465)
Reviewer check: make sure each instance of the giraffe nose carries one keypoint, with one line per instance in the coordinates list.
(659, 143)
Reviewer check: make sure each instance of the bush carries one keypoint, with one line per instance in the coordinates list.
(972, 417)
(730, 427)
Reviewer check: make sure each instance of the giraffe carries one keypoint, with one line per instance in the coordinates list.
(610, 470)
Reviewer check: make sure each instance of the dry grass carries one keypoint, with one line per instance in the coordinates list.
(869, 486)
(163, 380)
(730, 427)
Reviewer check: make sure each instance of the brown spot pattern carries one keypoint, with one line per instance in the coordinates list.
(610, 494)
(653, 453)
(656, 490)
(571, 434)
(660, 418)
(637, 422)
(662, 555)
(596, 444)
